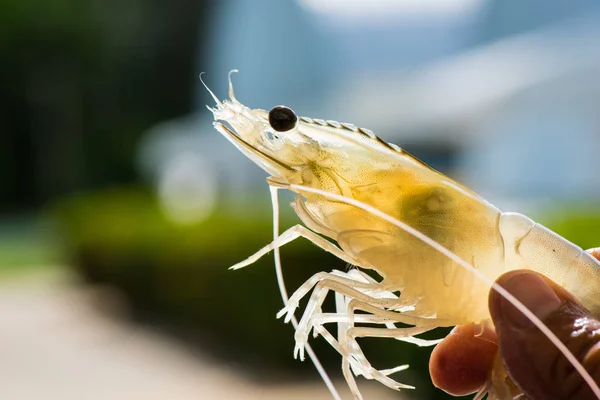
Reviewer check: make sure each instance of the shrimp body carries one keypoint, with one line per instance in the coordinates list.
(434, 291)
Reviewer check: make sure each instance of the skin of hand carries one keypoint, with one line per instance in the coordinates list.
(462, 362)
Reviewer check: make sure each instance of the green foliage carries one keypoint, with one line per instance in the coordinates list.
(178, 276)
(27, 244)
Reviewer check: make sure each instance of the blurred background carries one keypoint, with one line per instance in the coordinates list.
(121, 208)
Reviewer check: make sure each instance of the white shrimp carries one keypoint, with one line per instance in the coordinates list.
(433, 240)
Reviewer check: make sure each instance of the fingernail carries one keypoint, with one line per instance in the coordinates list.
(535, 294)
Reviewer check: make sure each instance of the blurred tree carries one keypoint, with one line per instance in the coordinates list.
(81, 81)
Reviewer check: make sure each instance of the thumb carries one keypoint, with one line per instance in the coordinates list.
(532, 361)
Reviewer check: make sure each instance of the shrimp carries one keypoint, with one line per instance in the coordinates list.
(436, 246)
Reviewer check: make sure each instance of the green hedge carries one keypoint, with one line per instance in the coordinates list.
(177, 277)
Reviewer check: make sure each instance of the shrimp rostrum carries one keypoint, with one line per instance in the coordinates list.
(435, 245)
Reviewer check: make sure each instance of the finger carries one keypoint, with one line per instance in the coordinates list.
(595, 252)
(461, 363)
(532, 361)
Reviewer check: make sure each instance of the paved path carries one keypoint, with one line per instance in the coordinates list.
(55, 344)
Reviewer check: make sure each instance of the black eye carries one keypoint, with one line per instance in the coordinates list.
(282, 118)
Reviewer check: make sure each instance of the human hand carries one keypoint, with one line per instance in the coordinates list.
(462, 362)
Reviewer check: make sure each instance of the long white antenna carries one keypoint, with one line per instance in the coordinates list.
(284, 296)
(435, 245)
(215, 98)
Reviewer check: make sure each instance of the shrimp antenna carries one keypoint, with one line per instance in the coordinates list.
(285, 298)
(215, 98)
(231, 94)
(464, 264)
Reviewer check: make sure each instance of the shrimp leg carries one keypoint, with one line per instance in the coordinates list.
(347, 359)
(354, 363)
(350, 345)
(319, 277)
(323, 282)
(356, 332)
(348, 341)
(326, 282)
(393, 316)
(376, 316)
(291, 234)
(328, 318)
(361, 366)
(367, 370)
(349, 288)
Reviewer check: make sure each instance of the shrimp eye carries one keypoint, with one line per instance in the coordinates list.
(282, 118)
